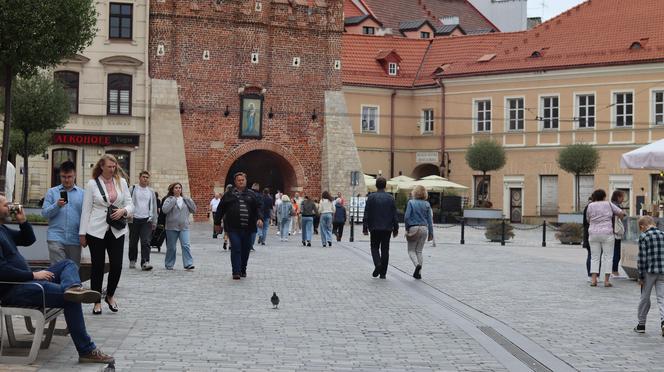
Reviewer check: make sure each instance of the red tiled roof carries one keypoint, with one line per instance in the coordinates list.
(350, 10)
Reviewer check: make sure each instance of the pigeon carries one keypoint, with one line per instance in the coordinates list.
(275, 300)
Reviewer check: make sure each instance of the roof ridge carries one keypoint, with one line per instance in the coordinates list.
(550, 21)
(422, 61)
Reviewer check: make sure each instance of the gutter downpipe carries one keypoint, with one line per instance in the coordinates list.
(444, 164)
(148, 99)
(394, 93)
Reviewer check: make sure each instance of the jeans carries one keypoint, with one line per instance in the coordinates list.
(380, 249)
(616, 255)
(58, 252)
(262, 233)
(601, 246)
(284, 224)
(325, 228)
(172, 237)
(66, 276)
(240, 249)
(140, 229)
(98, 250)
(307, 228)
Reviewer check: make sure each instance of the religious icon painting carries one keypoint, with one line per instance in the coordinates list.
(251, 120)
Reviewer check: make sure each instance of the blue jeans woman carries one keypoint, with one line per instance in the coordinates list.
(178, 209)
(326, 228)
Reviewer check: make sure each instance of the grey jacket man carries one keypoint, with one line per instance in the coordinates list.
(178, 218)
(153, 205)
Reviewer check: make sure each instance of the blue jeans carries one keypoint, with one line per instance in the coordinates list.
(325, 228)
(240, 249)
(284, 227)
(172, 237)
(66, 276)
(262, 233)
(307, 228)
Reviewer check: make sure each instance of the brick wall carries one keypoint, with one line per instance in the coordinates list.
(231, 32)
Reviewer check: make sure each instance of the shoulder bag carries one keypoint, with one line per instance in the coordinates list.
(118, 224)
(618, 227)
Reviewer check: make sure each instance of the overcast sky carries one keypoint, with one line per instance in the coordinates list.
(549, 8)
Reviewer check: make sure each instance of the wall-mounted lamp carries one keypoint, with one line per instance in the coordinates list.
(314, 116)
(181, 107)
(270, 114)
(227, 112)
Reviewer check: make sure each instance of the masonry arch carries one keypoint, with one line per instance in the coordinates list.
(424, 170)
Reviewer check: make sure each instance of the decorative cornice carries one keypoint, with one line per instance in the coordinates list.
(120, 61)
(77, 58)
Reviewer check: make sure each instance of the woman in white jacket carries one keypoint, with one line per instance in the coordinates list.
(96, 233)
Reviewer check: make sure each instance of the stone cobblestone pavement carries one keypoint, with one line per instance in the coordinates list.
(335, 317)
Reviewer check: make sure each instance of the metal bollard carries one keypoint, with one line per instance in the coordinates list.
(502, 235)
(463, 228)
(544, 233)
(352, 228)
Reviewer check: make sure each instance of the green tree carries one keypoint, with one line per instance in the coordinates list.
(578, 159)
(37, 34)
(40, 106)
(485, 155)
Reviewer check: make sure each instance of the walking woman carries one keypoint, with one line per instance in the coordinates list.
(284, 217)
(419, 226)
(177, 209)
(308, 211)
(339, 219)
(600, 235)
(326, 211)
(617, 199)
(106, 204)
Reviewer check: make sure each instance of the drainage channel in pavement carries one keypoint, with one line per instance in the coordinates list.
(513, 350)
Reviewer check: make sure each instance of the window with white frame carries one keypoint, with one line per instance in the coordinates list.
(392, 69)
(550, 112)
(585, 110)
(427, 121)
(515, 113)
(624, 109)
(483, 115)
(369, 119)
(658, 107)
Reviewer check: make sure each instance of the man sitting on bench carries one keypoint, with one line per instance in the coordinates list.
(61, 283)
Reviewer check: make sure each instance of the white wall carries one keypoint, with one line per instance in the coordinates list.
(507, 15)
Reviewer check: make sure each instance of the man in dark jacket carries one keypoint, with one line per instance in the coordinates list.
(380, 218)
(59, 285)
(268, 204)
(240, 210)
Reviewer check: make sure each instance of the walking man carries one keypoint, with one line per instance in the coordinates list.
(213, 208)
(144, 221)
(59, 285)
(62, 206)
(240, 210)
(651, 270)
(380, 219)
(267, 214)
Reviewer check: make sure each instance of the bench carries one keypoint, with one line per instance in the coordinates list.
(41, 315)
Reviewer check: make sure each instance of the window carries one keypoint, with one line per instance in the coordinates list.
(427, 121)
(369, 119)
(392, 69)
(368, 30)
(624, 109)
(123, 159)
(548, 195)
(550, 113)
(515, 112)
(69, 80)
(483, 116)
(425, 35)
(58, 157)
(585, 114)
(658, 106)
(120, 21)
(119, 94)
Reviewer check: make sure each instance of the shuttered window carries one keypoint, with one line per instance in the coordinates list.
(548, 195)
(119, 94)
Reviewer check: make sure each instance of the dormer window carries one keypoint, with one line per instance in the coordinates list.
(367, 30)
(636, 46)
(425, 35)
(392, 69)
(536, 54)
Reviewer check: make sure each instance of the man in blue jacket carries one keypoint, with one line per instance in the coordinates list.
(380, 218)
(61, 285)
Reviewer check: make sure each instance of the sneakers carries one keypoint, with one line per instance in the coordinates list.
(96, 356)
(82, 295)
(132, 264)
(190, 267)
(640, 328)
(146, 266)
(225, 244)
(308, 243)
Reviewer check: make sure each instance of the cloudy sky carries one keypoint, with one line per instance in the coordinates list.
(549, 8)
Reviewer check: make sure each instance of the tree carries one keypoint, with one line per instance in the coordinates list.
(37, 34)
(40, 106)
(578, 159)
(485, 156)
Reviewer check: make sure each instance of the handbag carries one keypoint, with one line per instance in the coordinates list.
(118, 224)
(618, 227)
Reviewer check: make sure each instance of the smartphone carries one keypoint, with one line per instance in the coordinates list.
(63, 195)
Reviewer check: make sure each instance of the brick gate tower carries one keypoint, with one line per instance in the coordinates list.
(248, 85)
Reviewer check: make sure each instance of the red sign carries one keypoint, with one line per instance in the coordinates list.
(94, 139)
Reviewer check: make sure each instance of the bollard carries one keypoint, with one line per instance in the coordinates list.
(352, 228)
(544, 233)
(463, 227)
(502, 235)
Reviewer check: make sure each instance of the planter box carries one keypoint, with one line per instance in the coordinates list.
(570, 218)
(483, 213)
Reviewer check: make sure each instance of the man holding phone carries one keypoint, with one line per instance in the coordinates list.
(62, 207)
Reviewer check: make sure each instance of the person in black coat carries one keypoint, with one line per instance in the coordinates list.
(380, 218)
(339, 219)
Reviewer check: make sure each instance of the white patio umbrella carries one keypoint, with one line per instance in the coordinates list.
(434, 184)
(650, 156)
(394, 184)
(370, 182)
